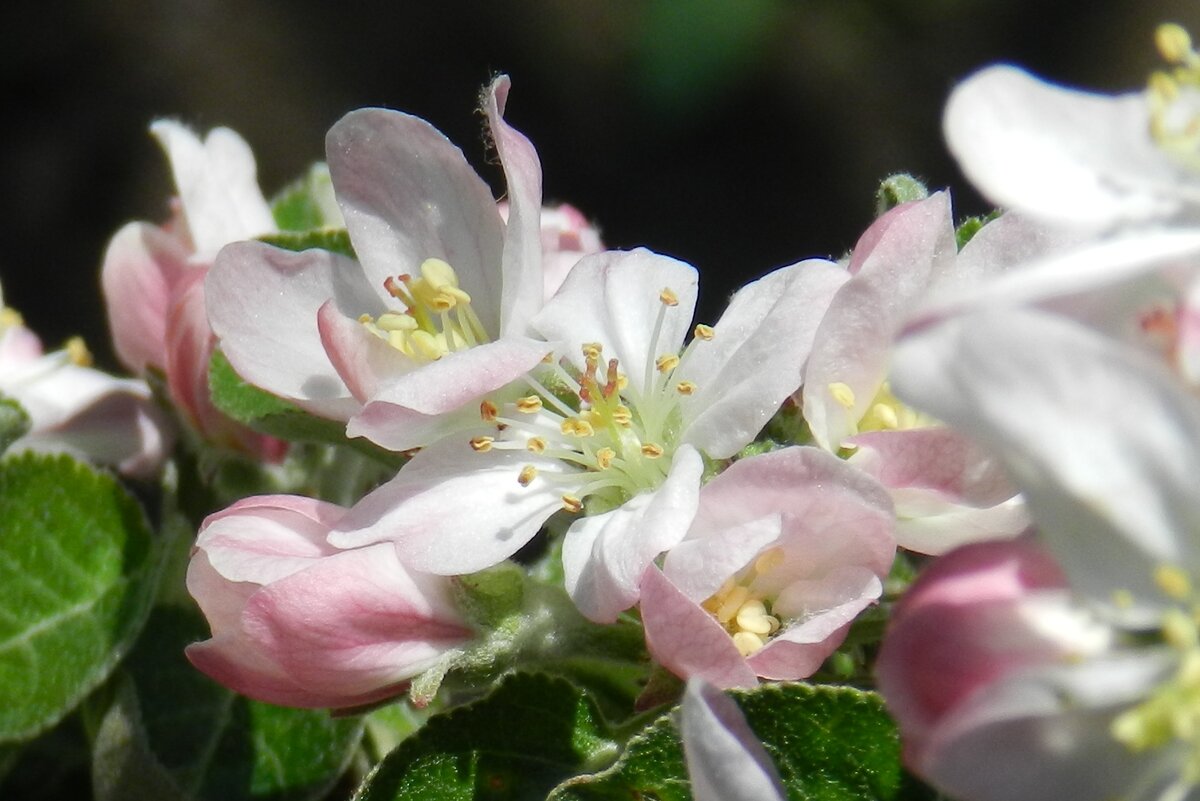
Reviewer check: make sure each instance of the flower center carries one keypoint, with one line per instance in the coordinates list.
(885, 412)
(742, 609)
(437, 317)
(617, 441)
(1172, 712)
(1174, 105)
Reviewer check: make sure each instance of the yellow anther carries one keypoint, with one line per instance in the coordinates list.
(842, 393)
(527, 475)
(704, 332)
(731, 603)
(666, 363)
(363, 318)
(592, 350)
(78, 352)
(390, 321)
(488, 411)
(884, 417)
(576, 427)
(529, 404)
(1174, 43)
(768, 560)
(438, 273)
(622, 381)
(668, 297)
(753, 617)
(592, 416)
(1173, 581)
(604, 458)
(427, 346)
(652, 451)
(622, 416)
(535, 445)
(685, 388)
(572, 504)
(482, 444)
(1179, 631)
(748, 643)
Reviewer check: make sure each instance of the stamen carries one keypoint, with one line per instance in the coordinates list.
(572, 504)
(703, 332)
(482, 444)
(666, 363)
(1173, 581)
(488, 411)
(652, 451)
(748, 643)
(527, 475)
(576, 427)
(842, 393)
(604, 457)
(535, 445)
(668, 297)
(530, 404)
(78, 352)
(685, 388)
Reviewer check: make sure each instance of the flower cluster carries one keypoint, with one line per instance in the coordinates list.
(430, 435)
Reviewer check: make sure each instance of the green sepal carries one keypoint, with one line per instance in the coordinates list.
(335, 240)
(14, 422)
(78, 572)
(969, 227)
(526, 736)
(896, 190)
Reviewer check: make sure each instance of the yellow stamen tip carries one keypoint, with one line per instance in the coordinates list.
(652, 451)
(535, 445)
(488, 411)
(78, 352)
(704, 332)
(685, 388)
(842, 393)
(1173, 42)
(482, 444)
(668, 297)
(1173, 581)
(666, 363)
(748, 643)
(529, 404)
(527, 475)
(572, 504)
(604, 458)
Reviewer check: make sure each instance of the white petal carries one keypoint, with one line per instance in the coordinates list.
(1101, 439)
(725, 761)
(1062, 155)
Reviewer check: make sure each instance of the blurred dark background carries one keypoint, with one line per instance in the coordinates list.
(738, 135)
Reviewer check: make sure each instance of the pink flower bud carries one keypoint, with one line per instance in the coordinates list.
(300, 623)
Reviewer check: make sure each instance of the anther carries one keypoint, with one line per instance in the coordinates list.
(842, 393)
(685, 388)
(666, 363)
(572, 504)
(535, 445)
(668, 297)
(592, 351)
(527, 475)
(78, 352)
(529, 404)
(604, 457)
(704, 332)
(1173, 581)
(482, 444)
(488, 411)
(1174, 43)
(652, 451)
(622, 416)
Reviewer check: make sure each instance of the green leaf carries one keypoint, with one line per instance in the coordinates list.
(14, 422)
(172, 733)
(308, 203)
(268, 414)
(829, 744)
(78, 569)
(532, 732)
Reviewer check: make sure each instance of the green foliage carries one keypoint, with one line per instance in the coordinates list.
(78, 569)
(829, 744)
(172, 733)
(268, 414)
(529, 734)
(307, 203)
(14, 422)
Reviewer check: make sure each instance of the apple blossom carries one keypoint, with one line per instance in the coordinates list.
(299, 623)
(1083, 159)
(619, 418)
(946, 492)
(153, 277)
(725, 761)
(1104, 441)
(786, 548)
(75, 408)
(433, 315)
